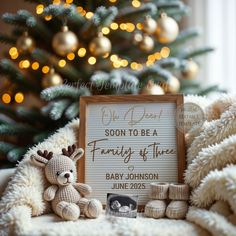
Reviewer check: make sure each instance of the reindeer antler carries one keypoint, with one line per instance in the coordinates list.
(45, 154)
(70, 150)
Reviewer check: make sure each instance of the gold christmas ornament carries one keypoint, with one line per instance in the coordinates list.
(190, 70)
(146, 44)
(172, 85)
(51, 79)
(25, 43)
(167, 29)
(137, 38)
(65, 42)
(149, 25)
(100, 46)
(152, 89)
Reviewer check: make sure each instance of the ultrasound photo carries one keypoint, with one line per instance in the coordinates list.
(122, 205)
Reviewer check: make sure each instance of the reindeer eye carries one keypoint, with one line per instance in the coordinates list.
(71, 171)
(58, 173)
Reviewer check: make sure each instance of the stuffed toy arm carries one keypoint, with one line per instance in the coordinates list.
(84, 189)
(50, 192)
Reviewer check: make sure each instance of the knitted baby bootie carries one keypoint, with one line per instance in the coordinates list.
(156, 208)
(178, 207)
(159, 191)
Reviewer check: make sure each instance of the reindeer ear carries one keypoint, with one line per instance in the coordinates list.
(77, 154)
(38, 160)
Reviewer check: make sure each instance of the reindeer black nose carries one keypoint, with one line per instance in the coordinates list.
(67, 175)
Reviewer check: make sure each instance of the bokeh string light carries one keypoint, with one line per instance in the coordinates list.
(115, 60)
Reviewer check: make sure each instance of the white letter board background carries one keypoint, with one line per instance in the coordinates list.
(165, 166)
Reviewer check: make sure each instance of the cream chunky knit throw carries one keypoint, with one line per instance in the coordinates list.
(211, 173)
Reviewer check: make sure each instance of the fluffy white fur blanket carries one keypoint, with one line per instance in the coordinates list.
(211, 148)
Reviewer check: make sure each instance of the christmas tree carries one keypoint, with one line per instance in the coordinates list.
(71, 48)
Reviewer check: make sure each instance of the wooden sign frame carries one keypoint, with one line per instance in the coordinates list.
(85, 101)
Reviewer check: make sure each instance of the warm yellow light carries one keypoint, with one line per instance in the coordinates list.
(71, 56)
(106, 55)
(35, 65)
(62, 63)
(165, 52)
(139, 26)
(123, 26)
(83, 13)
(112, 1)
(80, 9)
(92, 60)
(134, 65)
(45, 69)
(105, 30)
(81, 52)
(19, 97)
(69, 1)
(157, 55)
(66, 5)
(6, 98)
(117, 64)
(140, 67)
(113, 57)
(39, 9)
(130, 27)
(151, 57)
(56, 2)
(89, 15)
(20, 64)
(114, 26)
(48, 18)
(149, 63)
(136, 3)
(13, 51)
(14, 56)
(25, 64)
(124, 62)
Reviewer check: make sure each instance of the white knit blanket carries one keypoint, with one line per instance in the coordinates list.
(211, 173)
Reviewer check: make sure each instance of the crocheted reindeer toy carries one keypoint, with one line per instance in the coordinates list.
(67, 196)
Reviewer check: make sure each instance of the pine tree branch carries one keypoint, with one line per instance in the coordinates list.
(104, 16)
(24, 18)
(99, 77)
(155, 73)
(31, 115)
(185, 36)
(177, 13)
(40, 137)
(6, 119)
(62, 12)
(69, 71)
(58, 109)
(171, 62)
(6, 147)
(7, 39)
(9, 69)
(196, 52)
(210, 89)
(72, 111)
(63, 91)
(16, 154)
(17, 129)
(7, 110)
(134, 13)
(45, 2)
(169, 4)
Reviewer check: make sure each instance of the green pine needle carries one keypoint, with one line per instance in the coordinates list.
(17, 129)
